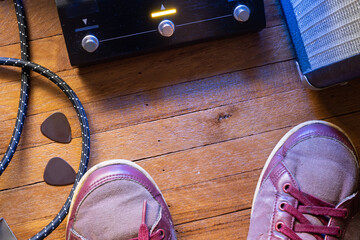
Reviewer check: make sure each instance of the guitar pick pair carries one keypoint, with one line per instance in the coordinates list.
(57, 171)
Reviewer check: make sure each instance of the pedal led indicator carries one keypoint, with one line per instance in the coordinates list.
(163, 13)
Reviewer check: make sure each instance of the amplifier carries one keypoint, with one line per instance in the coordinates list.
(326, 38)
(98, 30)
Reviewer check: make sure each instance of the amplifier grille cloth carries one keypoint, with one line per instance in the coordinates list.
(330, 29)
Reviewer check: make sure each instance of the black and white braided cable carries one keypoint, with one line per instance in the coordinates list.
(24, 89)
(85, 132)
(28, 66)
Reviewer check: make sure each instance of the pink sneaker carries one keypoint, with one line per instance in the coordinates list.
(308, 187)
(119, 200)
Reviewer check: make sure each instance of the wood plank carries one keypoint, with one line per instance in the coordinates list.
(8, 23)
(192, 130)
(199, 165)
(212, 198)
(188, 201)
(171, 166)
(46, 97)
(172, 170)
(229, 226)
(28, 229)
(154, 104)
(200, 128)
(36, 202)
(146, 106)
(43, 20)
(49, 52)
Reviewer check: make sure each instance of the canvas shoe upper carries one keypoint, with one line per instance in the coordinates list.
(119, 200)
(308, 187)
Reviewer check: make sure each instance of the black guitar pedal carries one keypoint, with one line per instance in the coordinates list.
(97, 30)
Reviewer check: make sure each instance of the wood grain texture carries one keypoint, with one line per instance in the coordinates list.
(229, 226)
(203, 129)
(159, 103)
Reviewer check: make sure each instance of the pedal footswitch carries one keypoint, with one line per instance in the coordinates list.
(90, 43)
(166, 28)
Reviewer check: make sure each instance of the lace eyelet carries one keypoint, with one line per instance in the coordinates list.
(286, 187)
(278, 226)
(282, 205)
(162, 233)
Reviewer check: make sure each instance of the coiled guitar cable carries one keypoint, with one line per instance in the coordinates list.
(85, 131)
(24, 89)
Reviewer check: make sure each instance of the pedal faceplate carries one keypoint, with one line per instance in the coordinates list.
(97, 30)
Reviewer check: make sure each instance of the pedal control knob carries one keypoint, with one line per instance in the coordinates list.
(90, 43)
(166, 28)
(242, 13)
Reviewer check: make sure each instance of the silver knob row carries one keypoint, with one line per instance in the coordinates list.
(166, 28)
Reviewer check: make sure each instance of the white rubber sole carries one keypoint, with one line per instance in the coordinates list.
(282, 141)
(104, 164)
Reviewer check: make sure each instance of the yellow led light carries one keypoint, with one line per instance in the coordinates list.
(163, 13)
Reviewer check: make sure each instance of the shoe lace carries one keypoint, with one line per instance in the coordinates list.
(309, 205)
(144, 233)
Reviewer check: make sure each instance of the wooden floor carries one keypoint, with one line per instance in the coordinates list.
(200, 119)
